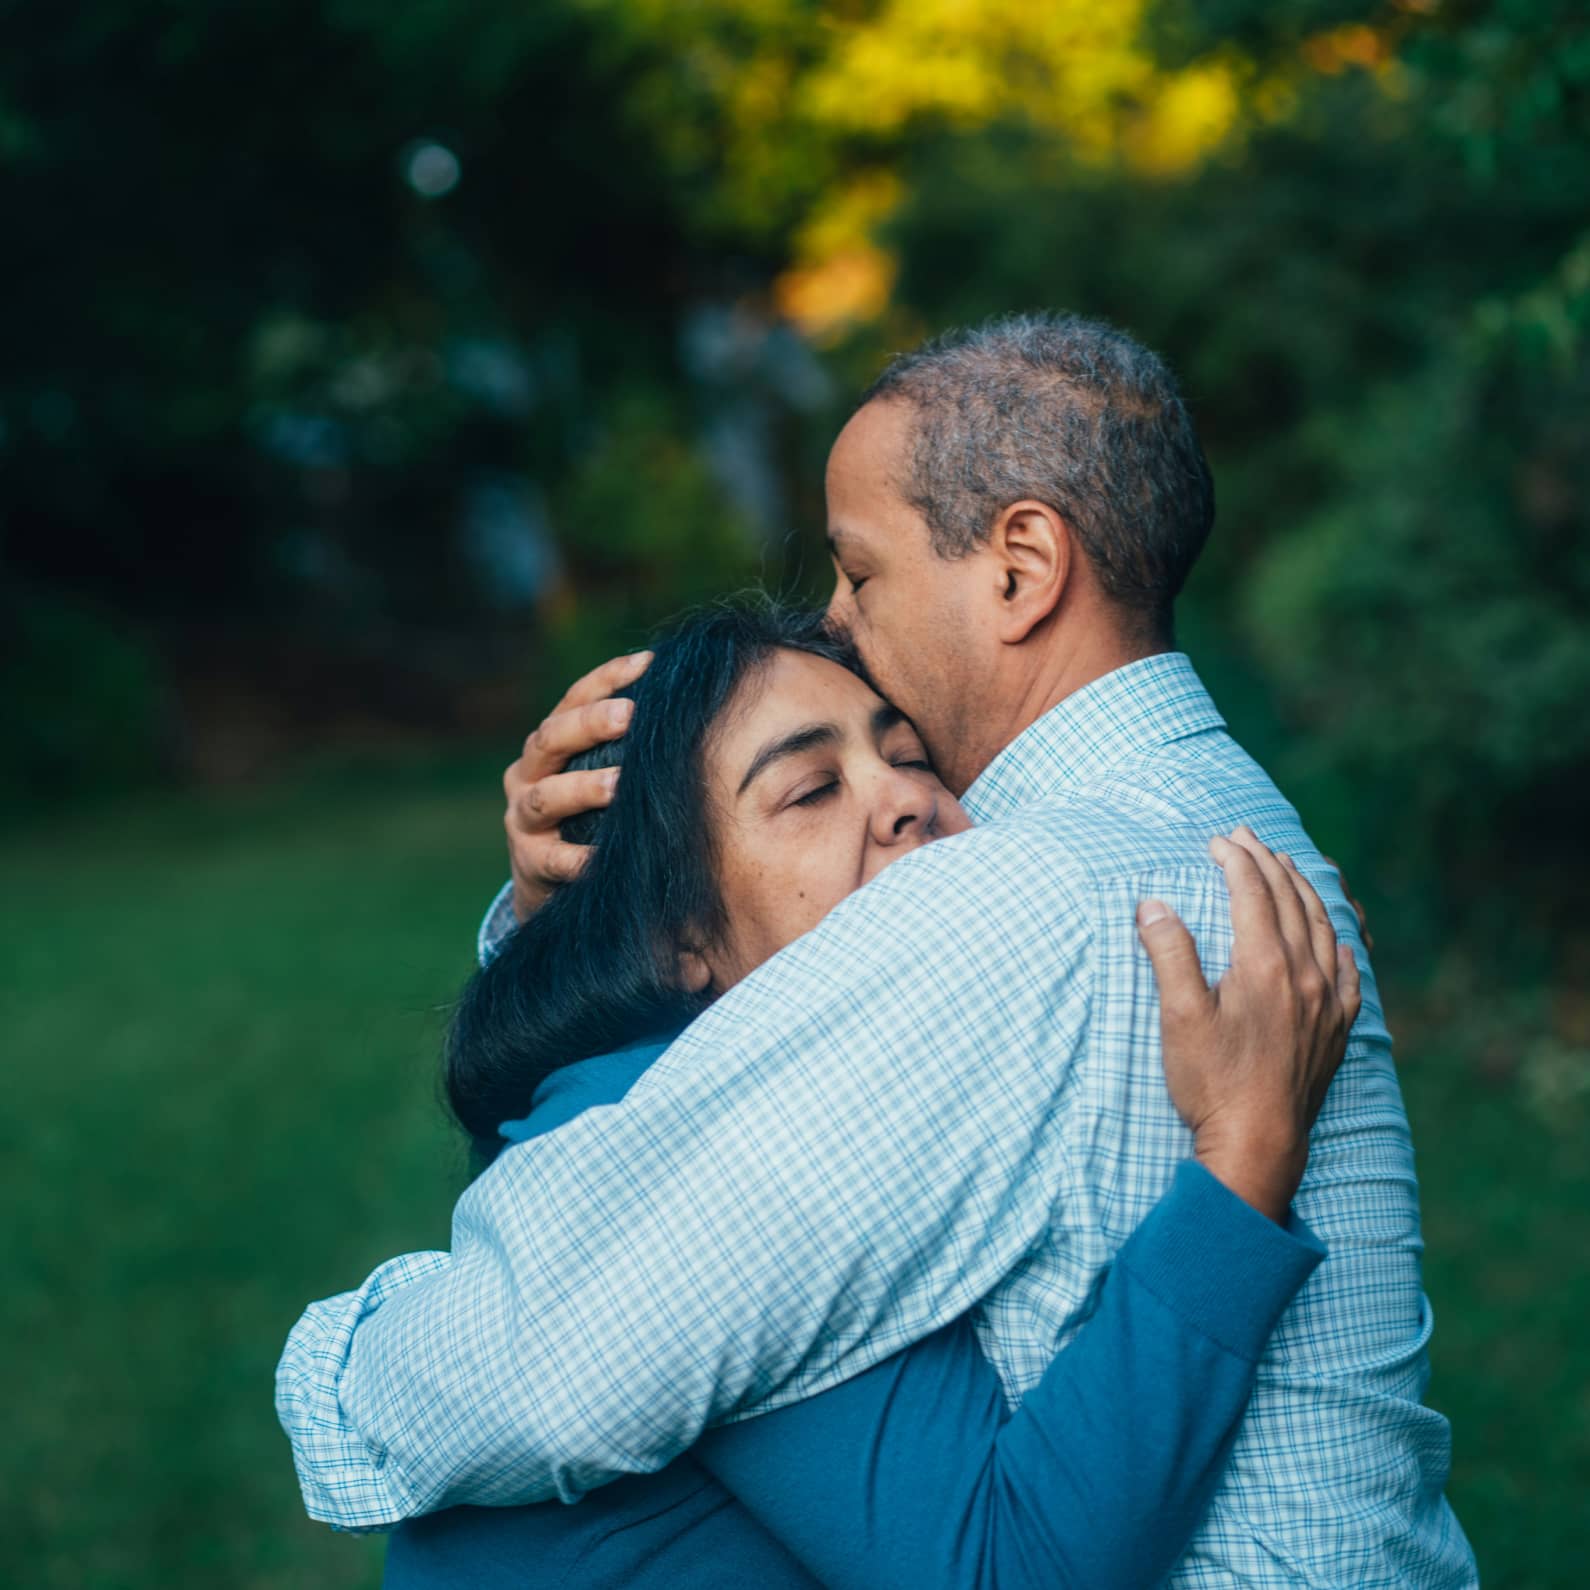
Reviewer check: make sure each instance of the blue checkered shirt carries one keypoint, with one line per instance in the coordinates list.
(948, 1096)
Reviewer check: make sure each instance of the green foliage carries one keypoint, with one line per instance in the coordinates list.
(221, 1026)
(221, 1030)
(1377, 302)
(1430, 621)
(649, 530)
(96, 710)
(258, 374)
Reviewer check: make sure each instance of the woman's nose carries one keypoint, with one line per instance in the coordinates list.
(905, 810)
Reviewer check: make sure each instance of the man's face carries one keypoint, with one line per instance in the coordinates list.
(910, 612)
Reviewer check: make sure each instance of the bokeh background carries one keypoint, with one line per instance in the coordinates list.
(370, 368)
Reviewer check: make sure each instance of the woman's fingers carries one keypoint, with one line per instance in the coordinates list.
(1322, 931)
(1348, 988)
(1254, 921)
(1183, 993)
(603, 681)
(1353, 901)
(1288, 904)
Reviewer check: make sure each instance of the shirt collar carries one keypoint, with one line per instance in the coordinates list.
(1147, 703)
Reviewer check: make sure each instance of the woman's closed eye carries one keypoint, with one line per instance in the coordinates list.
(815, 797)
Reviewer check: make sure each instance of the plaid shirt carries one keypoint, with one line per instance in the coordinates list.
(948, 1095)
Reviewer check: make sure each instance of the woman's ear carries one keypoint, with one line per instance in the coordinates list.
(695, 976)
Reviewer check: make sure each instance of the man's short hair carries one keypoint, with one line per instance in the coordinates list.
(1071, 413)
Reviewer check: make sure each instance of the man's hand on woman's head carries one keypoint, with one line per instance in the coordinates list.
(1249, 1061)
(541, 795)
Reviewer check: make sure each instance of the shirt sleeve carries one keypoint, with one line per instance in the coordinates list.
(913, 1473)
(337, 1469)
(844, 1154)
(498, 922)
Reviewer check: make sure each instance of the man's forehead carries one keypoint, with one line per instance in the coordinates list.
(849, 540)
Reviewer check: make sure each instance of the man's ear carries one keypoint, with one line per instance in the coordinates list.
(1035, 553)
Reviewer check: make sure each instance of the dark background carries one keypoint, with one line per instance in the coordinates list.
(370, 369)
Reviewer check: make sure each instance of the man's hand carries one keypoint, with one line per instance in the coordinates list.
(541, 795)
(1249, 1061)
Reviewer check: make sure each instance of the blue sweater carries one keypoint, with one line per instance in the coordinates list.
(915, 1474)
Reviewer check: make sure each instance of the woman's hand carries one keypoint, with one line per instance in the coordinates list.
(541, 795)
(1249, 1061)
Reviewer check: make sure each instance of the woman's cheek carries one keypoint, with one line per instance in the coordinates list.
(819, 882)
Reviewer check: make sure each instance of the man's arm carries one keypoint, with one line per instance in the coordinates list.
(845, 1153)
(338, 1473)
(842, 1155)
(499, 921)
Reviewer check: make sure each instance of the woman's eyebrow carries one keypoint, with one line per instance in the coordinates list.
(807, 739)
(885, 717)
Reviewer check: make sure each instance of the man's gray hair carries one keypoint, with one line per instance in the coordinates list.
(1068, 412)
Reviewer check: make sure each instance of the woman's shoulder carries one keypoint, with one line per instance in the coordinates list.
(584, 1084)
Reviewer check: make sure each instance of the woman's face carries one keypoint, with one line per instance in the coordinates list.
(816, 784)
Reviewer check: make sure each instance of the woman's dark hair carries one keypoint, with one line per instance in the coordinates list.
(596, 968)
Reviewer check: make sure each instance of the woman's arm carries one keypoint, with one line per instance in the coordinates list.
(914, 1474)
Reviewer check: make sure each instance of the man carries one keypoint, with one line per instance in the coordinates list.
(949, 1093)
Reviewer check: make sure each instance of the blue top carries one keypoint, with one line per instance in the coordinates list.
(915, 1473)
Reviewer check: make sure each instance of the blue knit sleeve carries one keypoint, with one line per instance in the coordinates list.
(914, 1473)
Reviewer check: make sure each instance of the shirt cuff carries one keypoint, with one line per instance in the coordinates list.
(345, 1481)
(1218, 1263)
(498, 922)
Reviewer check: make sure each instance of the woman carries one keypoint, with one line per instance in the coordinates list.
(762, 782)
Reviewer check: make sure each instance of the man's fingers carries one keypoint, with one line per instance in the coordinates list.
(1348, 988)
(1288, 904)
(1322, 932)
(1182, 989)
(601, 682)
(547, 802)
(569, 732)
(562, 862)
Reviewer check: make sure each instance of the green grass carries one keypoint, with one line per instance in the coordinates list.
(220, 1022)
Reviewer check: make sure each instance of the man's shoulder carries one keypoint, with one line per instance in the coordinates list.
(1038, 884)
(1076, 843)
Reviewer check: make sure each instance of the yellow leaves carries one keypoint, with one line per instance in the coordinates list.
(1073, 67)
(1191, 114)
(793, 115)
(849, 215)
(1352, 45)
(1063, 64)
(832, 296)
(841, 277)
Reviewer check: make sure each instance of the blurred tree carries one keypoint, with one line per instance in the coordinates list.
(1375, 290)
(302, 282)
(378, 320)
